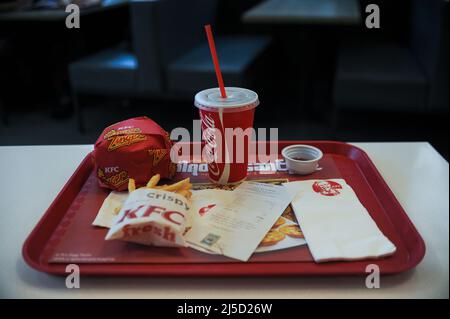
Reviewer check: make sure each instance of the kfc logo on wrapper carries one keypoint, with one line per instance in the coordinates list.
(115, 178)
(152, 217)
(327, 188)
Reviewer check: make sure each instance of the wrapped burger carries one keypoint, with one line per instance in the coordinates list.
(136, 148)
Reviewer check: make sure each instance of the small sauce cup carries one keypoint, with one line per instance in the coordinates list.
(302, 159)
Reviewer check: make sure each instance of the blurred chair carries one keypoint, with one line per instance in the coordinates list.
(168, 56)
(113, 71)
(430, 43)
(383, 75)
(194, 71)
(161, 30)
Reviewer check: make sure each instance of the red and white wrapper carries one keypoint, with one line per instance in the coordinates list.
(137, 148)
(152, 217)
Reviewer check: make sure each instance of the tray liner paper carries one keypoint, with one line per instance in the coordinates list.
(75, 240)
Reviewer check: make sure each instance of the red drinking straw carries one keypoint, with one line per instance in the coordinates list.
(212, 48)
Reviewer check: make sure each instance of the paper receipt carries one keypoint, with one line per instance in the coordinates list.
(246, 218)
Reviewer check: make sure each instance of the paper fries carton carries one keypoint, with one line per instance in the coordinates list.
(152, 217)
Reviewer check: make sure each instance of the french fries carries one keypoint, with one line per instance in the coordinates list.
(131, 185)
(182, 187)
(153, 181)
(174, 187)
(186, 193)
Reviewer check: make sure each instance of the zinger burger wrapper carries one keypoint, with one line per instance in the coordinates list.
(152, 217)
(136, 148)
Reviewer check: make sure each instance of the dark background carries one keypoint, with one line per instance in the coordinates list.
(37, 105)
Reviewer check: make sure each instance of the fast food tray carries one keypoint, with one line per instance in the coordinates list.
(65, 229)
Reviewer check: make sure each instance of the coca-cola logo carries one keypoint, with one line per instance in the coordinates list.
(210, 137)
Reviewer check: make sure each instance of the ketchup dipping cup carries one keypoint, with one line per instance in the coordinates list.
(235, 111)
(302, 159)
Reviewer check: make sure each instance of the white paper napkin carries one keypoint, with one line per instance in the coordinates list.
(335, 224)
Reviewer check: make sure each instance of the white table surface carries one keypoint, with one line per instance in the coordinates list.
(304, 12)
(33, 175)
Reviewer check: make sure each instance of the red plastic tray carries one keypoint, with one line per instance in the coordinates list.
(66, 230)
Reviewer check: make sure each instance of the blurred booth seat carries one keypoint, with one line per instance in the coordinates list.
(113, 71)
(194, 71)
(168, 56)
(383, 75)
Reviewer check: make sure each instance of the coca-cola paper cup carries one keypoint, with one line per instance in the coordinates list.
(227, 154)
